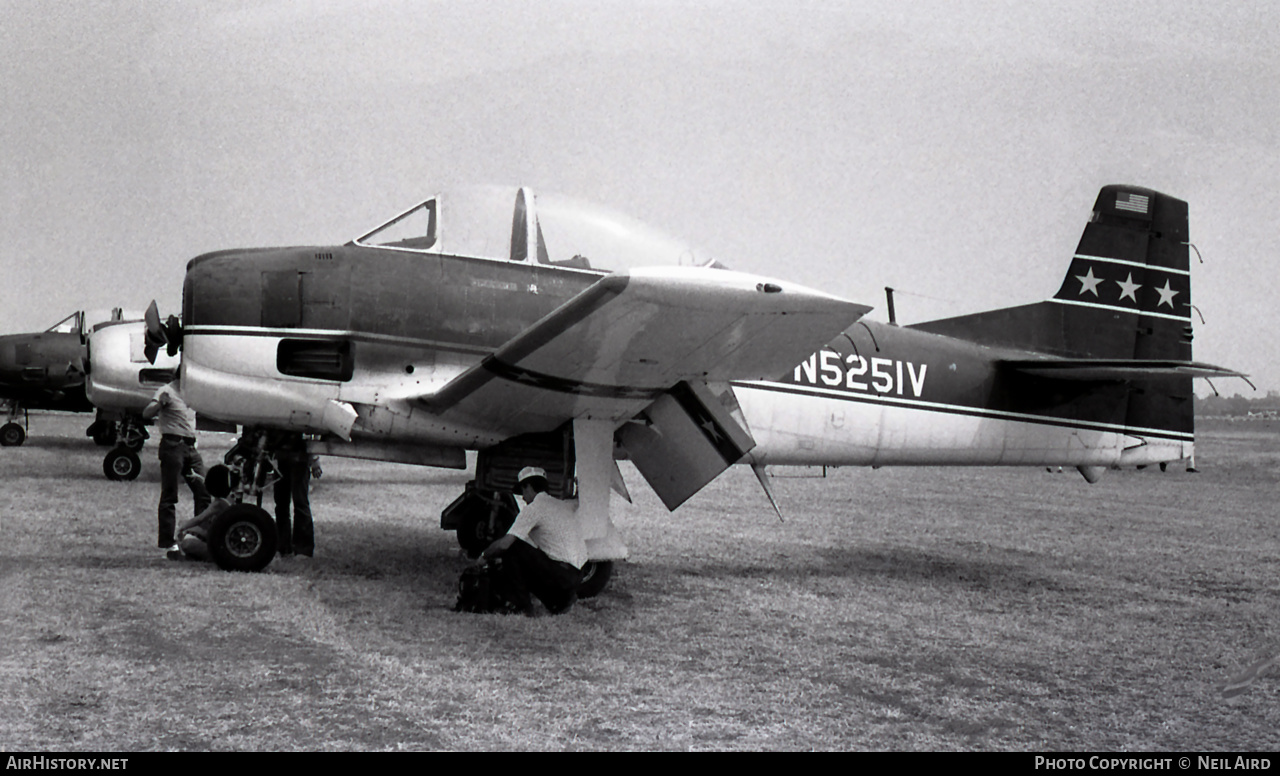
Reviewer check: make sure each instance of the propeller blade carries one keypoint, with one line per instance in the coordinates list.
(152, 318)
(156, 335)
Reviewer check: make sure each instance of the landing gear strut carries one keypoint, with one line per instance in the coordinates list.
(479, 517)
(243, 538)
(131, 433)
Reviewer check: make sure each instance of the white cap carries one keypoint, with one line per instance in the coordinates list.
(528, 473)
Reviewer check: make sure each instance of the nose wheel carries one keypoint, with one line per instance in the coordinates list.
(12, 435)
(243, 538)
(121, 465)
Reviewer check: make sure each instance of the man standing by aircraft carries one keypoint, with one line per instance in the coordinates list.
(294, 487)
(178, 457)
(543, 553)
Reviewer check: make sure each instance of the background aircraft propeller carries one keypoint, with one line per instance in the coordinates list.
(168, 334)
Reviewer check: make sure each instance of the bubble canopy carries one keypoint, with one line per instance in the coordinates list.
(515, 224)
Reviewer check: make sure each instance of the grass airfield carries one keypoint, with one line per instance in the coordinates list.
(898, 609)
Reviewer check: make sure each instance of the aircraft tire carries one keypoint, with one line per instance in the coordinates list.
(243, 538)
(121, 465)
(595, 575)
(474, 531)
(12, 435)
(473, 536)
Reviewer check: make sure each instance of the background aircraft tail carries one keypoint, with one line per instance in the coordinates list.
(1122, 315)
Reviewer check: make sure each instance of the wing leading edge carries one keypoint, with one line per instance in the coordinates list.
(613, 349)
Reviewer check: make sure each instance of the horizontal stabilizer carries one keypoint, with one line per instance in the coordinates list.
(1116, 369)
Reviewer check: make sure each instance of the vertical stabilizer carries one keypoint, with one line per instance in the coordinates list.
(1126, 297)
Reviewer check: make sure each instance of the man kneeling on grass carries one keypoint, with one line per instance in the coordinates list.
(543, 553)
(193, 535)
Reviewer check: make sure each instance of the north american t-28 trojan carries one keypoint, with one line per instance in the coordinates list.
(41, 371)
(539, 331)
(54, 370)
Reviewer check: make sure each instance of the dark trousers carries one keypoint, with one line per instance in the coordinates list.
(522, 569)
(294, 486)
(178, 461)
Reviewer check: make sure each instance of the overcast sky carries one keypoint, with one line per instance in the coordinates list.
(950, 150)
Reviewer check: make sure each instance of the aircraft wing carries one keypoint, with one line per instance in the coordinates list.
(620, 344)
(1117, 369)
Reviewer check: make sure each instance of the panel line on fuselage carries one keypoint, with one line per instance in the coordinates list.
(955, 409)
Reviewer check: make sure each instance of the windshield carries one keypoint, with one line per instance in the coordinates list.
(69, 325)
(514, 224)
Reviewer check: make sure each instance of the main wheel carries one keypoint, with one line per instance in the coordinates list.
(121, 465)
(243, 538)
(12, 435)
(481, 520)
(595, 575)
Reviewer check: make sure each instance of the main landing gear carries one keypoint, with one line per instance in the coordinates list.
(482, 517)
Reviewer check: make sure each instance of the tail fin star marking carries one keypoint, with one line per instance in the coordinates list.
(1116, 284)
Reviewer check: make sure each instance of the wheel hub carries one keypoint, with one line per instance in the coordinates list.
(243, 539)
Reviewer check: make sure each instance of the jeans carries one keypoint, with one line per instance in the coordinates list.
(178, 460)
(522, 569)
(294, 486)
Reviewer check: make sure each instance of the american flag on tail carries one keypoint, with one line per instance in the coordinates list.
(1134, 203)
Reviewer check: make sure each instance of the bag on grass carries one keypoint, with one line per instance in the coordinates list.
(477, 591)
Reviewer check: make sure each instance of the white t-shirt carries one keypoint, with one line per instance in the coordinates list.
(175, 416)
(551, 525)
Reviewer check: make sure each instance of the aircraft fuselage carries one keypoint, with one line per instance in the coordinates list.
(275, 336)
(883, 395)
(41, 371)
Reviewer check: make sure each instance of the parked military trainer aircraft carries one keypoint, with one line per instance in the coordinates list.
(41, 371)
(120, 379)
(539, 331)
(51, 370)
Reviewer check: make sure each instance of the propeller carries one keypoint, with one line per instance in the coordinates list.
(168, 333)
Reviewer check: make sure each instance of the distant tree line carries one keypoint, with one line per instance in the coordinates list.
(1207, 406)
